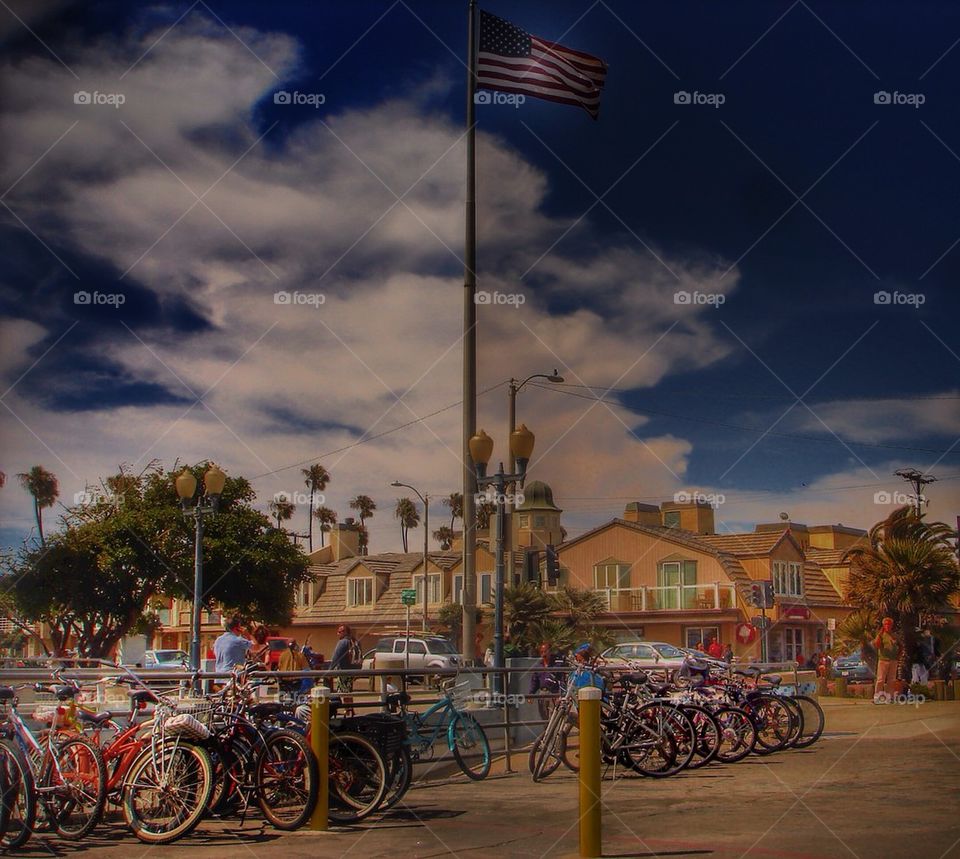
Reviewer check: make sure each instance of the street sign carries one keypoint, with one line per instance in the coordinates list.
(408, 596)
(760, 622)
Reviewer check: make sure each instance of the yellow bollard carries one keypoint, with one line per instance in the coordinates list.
(589, 703)
(320, 743)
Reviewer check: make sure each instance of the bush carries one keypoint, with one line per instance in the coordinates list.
(921, 689)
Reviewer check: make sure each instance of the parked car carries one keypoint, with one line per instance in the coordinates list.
(852, 667)
(426, 651)
(646, 655)
(166, 660)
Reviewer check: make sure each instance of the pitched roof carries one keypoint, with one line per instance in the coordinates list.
(826, 557)
(817, 588)
(752, 543)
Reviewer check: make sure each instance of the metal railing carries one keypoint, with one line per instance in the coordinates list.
(705, 597)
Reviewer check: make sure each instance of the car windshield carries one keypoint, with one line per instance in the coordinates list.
(170, 655)
(668, 651)
(440, 645)
(279, 645)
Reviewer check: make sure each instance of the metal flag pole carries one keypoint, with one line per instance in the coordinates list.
(470, 350)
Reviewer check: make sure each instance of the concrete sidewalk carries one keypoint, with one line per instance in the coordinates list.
(883, 782)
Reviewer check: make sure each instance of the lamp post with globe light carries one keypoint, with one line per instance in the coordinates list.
(196, 506)
(481, 449)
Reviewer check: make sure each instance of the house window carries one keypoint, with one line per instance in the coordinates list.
(792, 643)
(486, 588)
(524, 520)
(612, 575)
(693, 635)
(670, 575)
(671, 519)
(435, 592)
(788, 578)
(360, 591)
(303, 595)
(458, 589)
(539, 521)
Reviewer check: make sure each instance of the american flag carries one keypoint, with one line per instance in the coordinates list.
(512, 60)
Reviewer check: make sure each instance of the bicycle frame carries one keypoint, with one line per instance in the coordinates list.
(420, 742)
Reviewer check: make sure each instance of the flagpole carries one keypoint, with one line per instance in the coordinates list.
(470, 350)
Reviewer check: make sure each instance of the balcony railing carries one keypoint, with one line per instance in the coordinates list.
(671, 598)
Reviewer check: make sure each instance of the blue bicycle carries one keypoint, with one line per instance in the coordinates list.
(464, 735)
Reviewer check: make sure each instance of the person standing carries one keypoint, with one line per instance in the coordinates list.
(230, 649)
(887, 644)
(260, 649)
(292, 659)
(715, 649)
(346, 657)
(727, 654)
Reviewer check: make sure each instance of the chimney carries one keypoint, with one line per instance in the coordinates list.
(345, 540)
(642, 514)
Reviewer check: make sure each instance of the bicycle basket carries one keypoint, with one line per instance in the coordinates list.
(185, 725)
(461, 693)
(45, 713)
(386, 731)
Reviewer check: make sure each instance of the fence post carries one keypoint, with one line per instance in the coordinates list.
(589, 705)
(506, 721)
(320, 743)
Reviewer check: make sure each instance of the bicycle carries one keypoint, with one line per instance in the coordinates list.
(63, 778)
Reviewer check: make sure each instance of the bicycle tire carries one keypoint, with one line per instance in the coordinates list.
(796, 730)
(357, 778)
(737, 729)
(707, 728)
(540, 761)
(23, 806)
(662, 728)
(6, 794)
(466, 733)
(88, 782)
(183, 760)
(813, 721)
(286, 776)
(400, 777)
(766, 712)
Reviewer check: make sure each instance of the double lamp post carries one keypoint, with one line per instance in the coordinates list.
(197, 505)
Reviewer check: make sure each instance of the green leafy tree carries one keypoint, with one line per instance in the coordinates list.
(444, 536)
(327, 519)
(44, 488)
(907, 568)
(857, 632)
(485, 509)
(96, 578)
(525, 607)
(316, 478)
(455, 502)
(409, 517)
(450, 620)
(365, 506)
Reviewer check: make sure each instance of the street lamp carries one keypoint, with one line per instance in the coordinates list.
(481, 449)
(197, 506)
(426, 536)
(513, 389)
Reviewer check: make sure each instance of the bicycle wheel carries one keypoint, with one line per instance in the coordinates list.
(357, 776)
(661, 740)
(6, 795)
(774, 722)
(470, 746)
(813, 721)
(22, 791)
(399, 776)
(738, 735)
(707, 742)
(546, 753)
(287, 779)
(79, 782)
(166, 791)
(796, 727)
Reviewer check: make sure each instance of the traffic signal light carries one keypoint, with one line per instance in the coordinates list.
(756, 594)
(531, 566)
(553, 565)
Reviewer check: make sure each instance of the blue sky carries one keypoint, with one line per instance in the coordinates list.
(797, 200)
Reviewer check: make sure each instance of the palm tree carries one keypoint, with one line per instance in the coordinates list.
(316, 478)
(455, 502)
(282, 509)
(857, 632)
(581, 606)
(327, 519)
(406, 512)
(444, 536)
(525, 607)
(364, 505)
(44, 488)
(907, 568)
(485, 509)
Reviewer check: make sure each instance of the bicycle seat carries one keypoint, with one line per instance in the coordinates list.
(746, 672)
(660, 688)
(268, 708)
(636, 677)
(7, 693)
(141, 695)
(773, 679)
(65, 693)
(93, 718)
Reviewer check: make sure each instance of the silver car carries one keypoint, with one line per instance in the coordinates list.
(647, 655)
(426, 651)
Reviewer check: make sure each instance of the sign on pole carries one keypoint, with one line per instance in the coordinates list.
(408, 596)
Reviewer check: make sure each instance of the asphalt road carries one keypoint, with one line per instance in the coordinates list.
(883, 782)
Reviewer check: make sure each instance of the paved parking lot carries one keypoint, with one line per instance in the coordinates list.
(884, 782)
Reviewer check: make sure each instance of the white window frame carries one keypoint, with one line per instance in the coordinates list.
(434, 587)
(792, 642)
(613, 570)
(705, 633)
(485, 580)
(788, 578)
(458, 588)
(360, 591)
